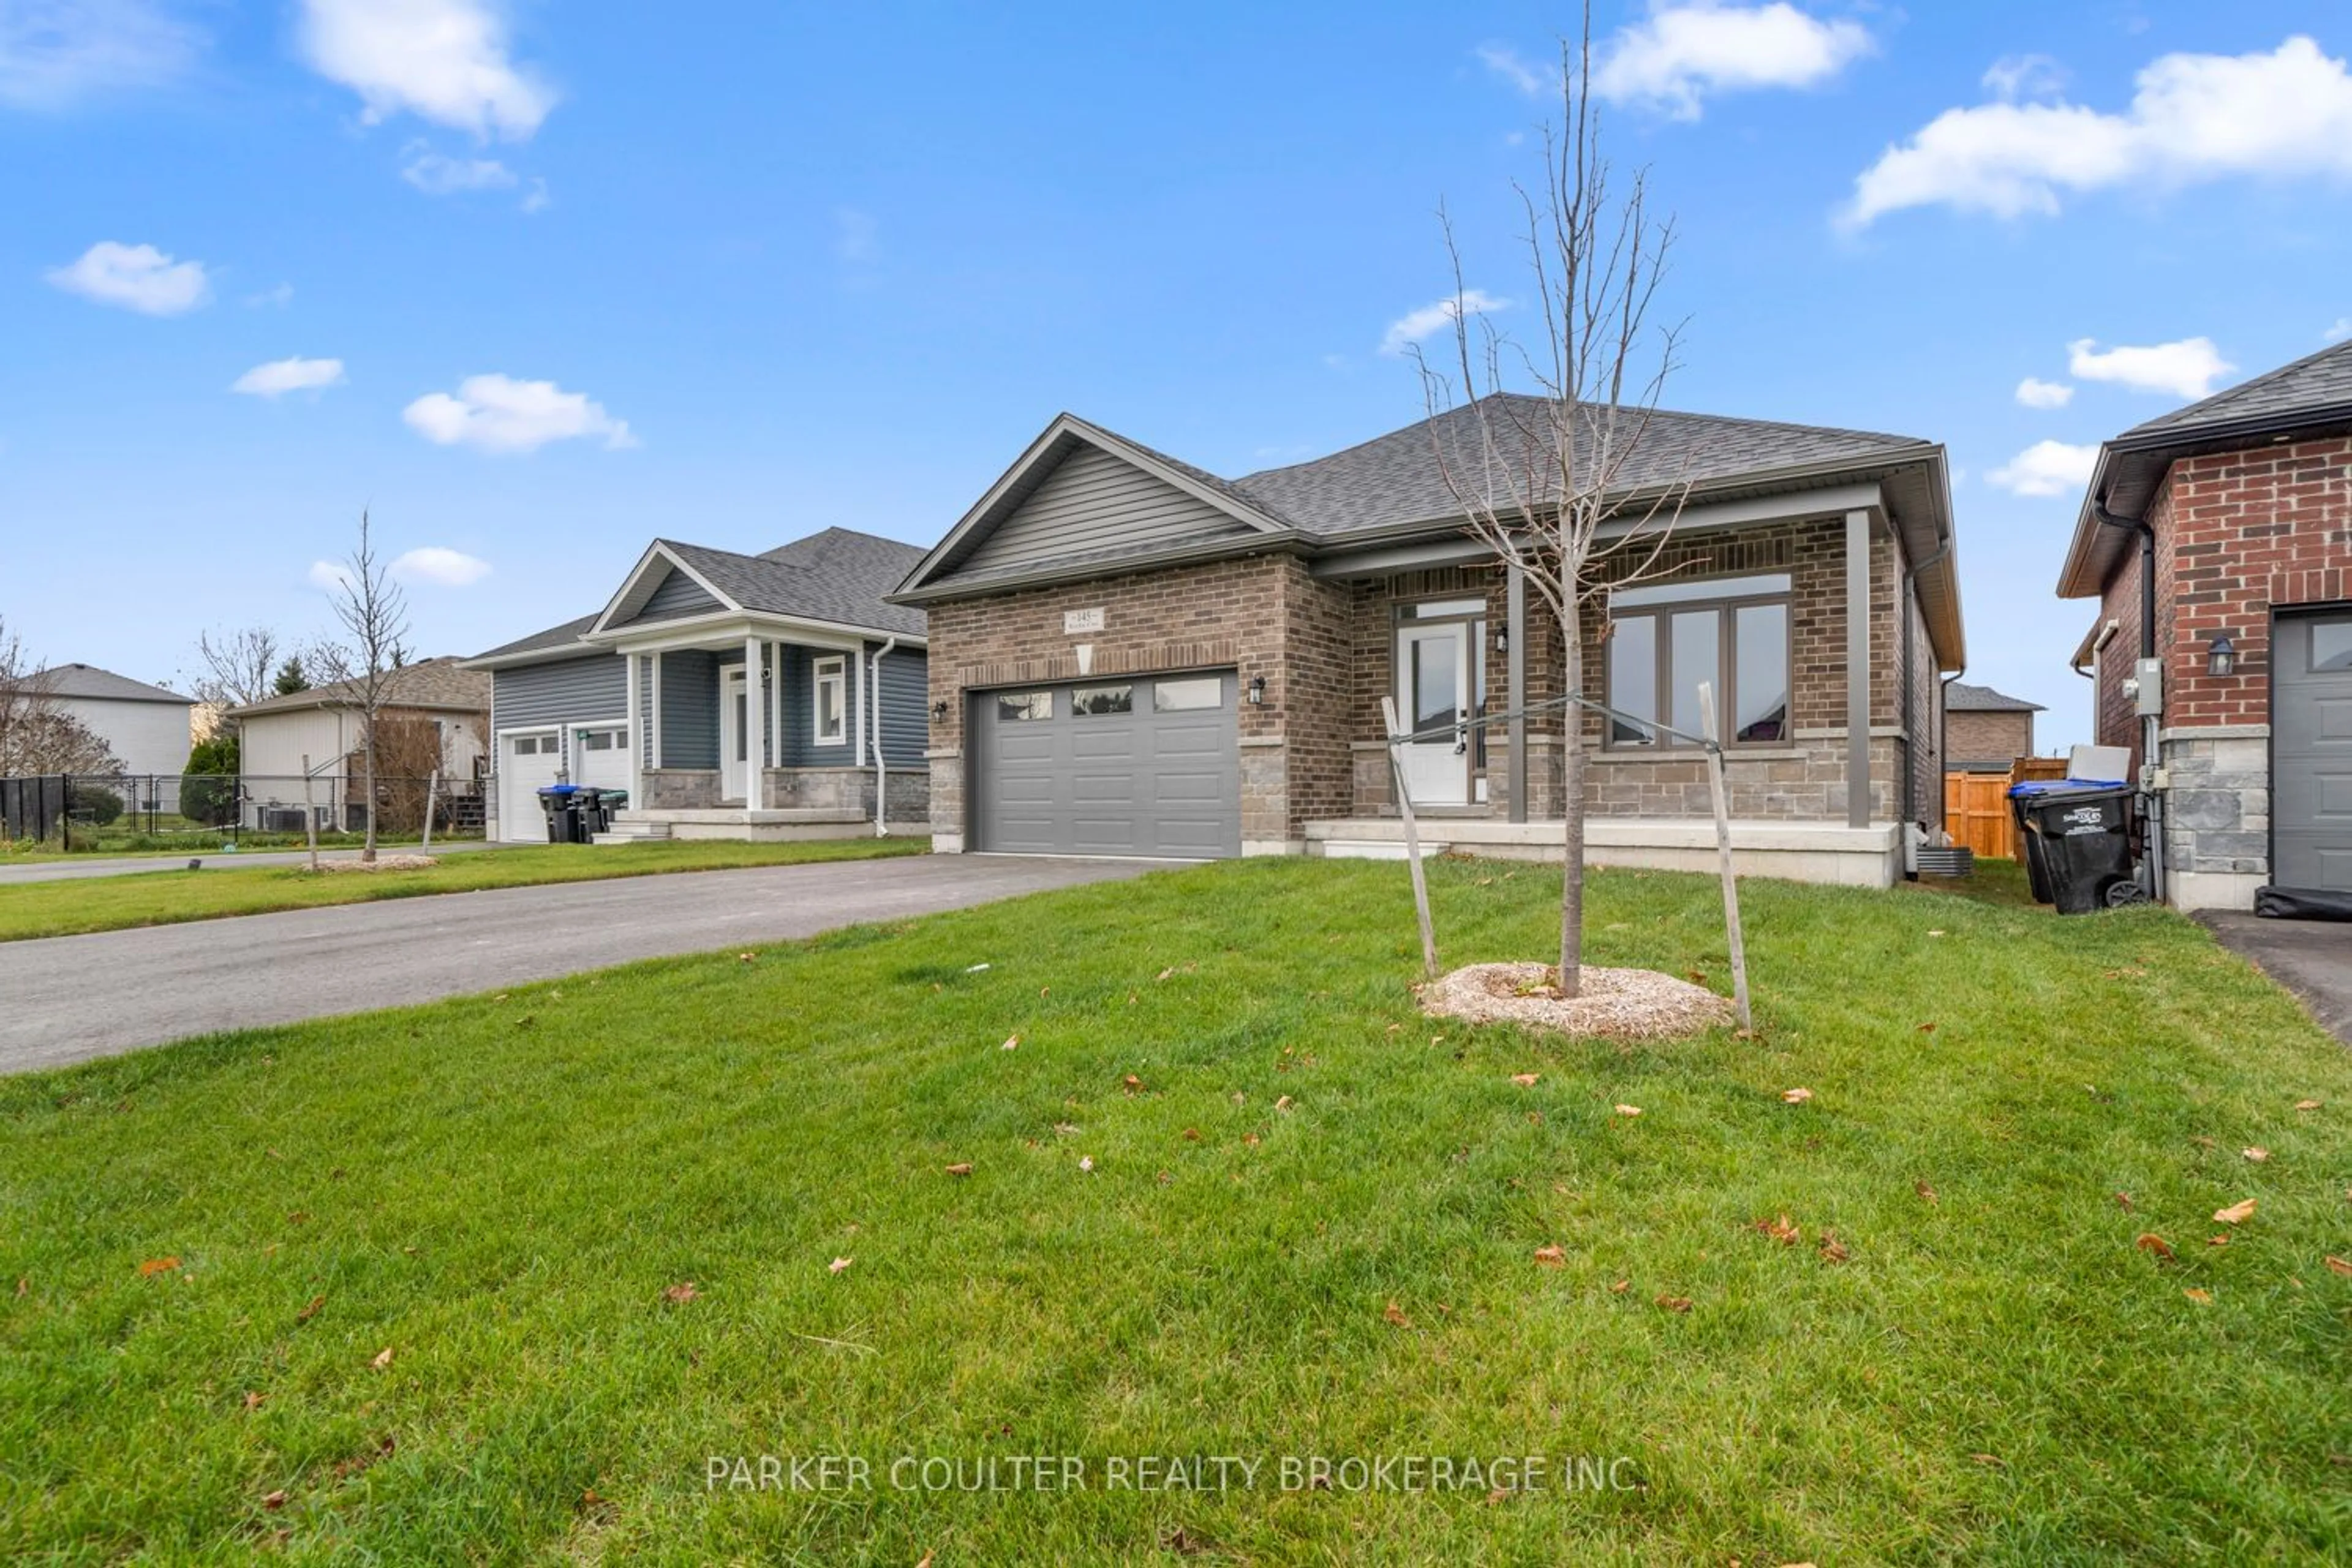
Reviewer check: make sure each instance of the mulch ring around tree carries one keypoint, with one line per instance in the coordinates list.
(401, 863)
(1613, 1003)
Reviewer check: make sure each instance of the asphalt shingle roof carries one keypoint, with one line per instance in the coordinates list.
(563, 635)
(839, 575)
(89, 681)
(2311, 384)
(1398, 478)
(1960, 697)
(442, 682)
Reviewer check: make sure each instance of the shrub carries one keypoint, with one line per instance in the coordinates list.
(93, 804)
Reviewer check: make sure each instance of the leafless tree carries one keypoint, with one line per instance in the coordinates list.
(1545, 479)
(237, 666)
(37, 735)
(374, 612)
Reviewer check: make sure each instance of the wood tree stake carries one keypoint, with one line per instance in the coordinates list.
(1722, 854)
(1411, 840)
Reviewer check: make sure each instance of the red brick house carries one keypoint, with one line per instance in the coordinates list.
(1130, 655)
(2217, 540)
(1985, 731)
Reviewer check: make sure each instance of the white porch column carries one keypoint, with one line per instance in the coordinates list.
(635, 735)
(1857, 668)
(755, 723)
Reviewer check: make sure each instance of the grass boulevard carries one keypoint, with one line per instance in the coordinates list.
(1082, 1227)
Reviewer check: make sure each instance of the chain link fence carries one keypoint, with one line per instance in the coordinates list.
(129, 812)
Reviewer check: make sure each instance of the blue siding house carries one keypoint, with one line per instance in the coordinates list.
(771, 696)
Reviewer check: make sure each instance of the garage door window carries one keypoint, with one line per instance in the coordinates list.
(1185, 695)
(1100, 699)
(601, 740)
(1023, 707)
(2331, 644)
(533, 745)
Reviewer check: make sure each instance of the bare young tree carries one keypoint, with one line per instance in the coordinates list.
(374, 616)
(237, 668)
(1545, 479)
(37, 735)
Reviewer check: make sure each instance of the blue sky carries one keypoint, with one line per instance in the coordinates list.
(731, 273)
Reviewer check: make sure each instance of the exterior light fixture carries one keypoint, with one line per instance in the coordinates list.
(939, 708)
(2221, 657)
(1502, 640)
(1257, 690)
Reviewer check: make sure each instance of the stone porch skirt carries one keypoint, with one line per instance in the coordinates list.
(1793, 851)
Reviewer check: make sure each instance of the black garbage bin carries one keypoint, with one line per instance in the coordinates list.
(596, 812)
(2029, 846)
(2081, 837)
(562, 813)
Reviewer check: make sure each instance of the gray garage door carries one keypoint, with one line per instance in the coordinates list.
(2311, 752)
(1146, 765)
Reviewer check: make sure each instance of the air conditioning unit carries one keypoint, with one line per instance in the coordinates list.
(281, 819)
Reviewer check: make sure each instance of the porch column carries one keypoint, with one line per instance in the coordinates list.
(1515, 623)
(1857, 668)
(755, 723)
(635, 735)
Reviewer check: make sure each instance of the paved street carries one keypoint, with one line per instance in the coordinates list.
(67, 999)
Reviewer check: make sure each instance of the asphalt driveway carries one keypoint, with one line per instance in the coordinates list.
(2311, 958)
(70, 998)
(204, 860)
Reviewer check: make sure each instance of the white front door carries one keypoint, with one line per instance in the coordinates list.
(1433, 666)
(734, 770)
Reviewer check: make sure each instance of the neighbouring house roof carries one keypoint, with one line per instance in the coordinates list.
(441, 683)
(837, 575)
(1960, 697)
(86, 680)
(2312, 397)
(1402, 486)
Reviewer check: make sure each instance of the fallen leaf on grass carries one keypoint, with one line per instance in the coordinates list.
(1086, 1162)
(1629, 1111)
(1395, 1314)
(1498, 1495)
(682, 1292)
(1284, 1104)
(346, 1469)
(960, 1168)
(1796, 1096)
(1526, 1080)
(383, 1359)
(22, 1284)
(1780, 1230)
(1165, 974)
(1130, 1083)
(1551, 1256)
(2123, 1201)
(1011, 1043)
(2306, 1105)
(1927, 1028)
(746, 957)
(310, 1311)
(838, 1264)
(1993, 1460)
(1674, 1304)
(1698, 976)
(1619, 1287)
(155, 1266)
(2256, 1153)
(2340, 1265)
(2236, 1213)
(1833, 1249)
(253, 1398)
(2151, 1243)
(926, 1561)
(2221, 1240)
(2203, 1298)
(1924, 1191)
(275, 1500)
(1191, 1135)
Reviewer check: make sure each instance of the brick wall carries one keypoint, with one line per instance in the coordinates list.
(1973, 737)
(2118, 724)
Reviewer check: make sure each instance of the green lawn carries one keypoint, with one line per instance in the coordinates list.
(76, 905)
(502, 1192)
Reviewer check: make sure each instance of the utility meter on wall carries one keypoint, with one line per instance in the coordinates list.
(2147, 687)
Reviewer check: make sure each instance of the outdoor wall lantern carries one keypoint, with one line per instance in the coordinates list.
(2221, 657)
(939, 708)
(1257, 690)
(1502, 640)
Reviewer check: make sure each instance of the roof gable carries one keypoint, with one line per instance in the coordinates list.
(1080, 490)
(652, 573)
(1960, 697)
(673, 596)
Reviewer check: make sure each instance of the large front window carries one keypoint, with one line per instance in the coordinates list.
(1666, 639)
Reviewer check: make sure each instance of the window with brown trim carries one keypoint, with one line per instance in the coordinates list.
(1666, 638)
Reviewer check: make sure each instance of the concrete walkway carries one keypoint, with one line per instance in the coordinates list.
(71, 998)
(2311, 958)
(211, 857)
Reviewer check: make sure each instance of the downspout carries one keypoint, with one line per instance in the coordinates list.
(2150, 722)
(881, 766)
(1910, 763)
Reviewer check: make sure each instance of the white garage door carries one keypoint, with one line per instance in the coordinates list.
(525, 764)
(601, 757)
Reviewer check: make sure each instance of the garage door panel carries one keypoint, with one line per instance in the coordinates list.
(2311, 745)
(2334, 720)
(1127, 779)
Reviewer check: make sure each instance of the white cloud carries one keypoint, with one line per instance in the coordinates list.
(2336, 334)
(280, 376)
(438, 175)
(438, 563)
(1419, 326)
(2186, 369)
(1524, 75)
(2035, 393)
(330, 577)
(136, 277)
(498, 414)
(281, 296)
(2046, 469)
(55, 53)
(2193, 118)
(2013, 77)
(536, 199)
(1689, 49)
(445, 60)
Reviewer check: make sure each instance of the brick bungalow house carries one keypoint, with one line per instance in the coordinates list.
(2217, 540)
(1985, 731)
(1130, 655)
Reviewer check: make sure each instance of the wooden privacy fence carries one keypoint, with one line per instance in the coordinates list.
(1976, 806)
